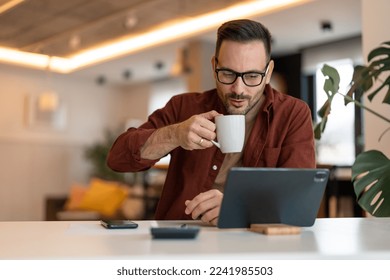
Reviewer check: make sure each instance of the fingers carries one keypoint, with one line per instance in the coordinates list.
(197, 131)
(205, 205)
(210, 115)
(211, 217)
(203, 127)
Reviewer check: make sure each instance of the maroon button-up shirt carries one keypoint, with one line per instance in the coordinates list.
(282, 136)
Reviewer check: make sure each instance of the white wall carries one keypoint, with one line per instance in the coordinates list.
(315, 56)
(376, 22)
(36, 163)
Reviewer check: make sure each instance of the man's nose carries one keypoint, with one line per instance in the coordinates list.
(238, 86)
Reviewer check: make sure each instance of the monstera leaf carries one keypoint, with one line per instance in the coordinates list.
(371, 180)
(331, 88)
(371, 170)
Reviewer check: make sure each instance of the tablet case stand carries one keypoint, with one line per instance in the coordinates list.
(275, 229)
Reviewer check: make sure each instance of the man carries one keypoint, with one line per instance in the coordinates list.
(278, 128)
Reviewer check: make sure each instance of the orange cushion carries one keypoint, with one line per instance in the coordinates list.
(104, 197)
(75, 197)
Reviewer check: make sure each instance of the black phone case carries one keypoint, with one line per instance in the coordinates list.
(118, 224)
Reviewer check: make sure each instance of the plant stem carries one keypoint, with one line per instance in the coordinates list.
(357, 103)
(384, 132)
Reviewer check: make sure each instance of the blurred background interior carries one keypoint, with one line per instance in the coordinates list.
(76, 73)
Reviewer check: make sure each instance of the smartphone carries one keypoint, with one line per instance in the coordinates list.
(118, 224)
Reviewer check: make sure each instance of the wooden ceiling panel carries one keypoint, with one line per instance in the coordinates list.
(47, 26)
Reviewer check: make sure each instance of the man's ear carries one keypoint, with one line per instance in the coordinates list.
(213, 65)
(269, 72)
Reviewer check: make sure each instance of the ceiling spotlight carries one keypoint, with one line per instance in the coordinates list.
(101, 80)
(159, 65)
(126, 74)
(326, 26)
(130, 21)
(74, 42)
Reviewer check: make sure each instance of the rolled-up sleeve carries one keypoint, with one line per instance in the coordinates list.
(125, 155)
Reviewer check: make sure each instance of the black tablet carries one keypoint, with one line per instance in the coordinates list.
(272, 195)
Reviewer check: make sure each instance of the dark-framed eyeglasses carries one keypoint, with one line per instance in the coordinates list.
(250, 78)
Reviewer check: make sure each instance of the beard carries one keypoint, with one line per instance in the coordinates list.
(232, 110)
(249, 100)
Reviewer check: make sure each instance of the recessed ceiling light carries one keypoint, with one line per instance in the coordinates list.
(131, 21)
(75, 42)
(326, 26)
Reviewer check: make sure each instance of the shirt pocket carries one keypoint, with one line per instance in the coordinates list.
(269, 157)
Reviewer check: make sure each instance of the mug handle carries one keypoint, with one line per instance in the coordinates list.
(216, 143)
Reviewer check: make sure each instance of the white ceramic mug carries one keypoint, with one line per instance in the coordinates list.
(230, 133)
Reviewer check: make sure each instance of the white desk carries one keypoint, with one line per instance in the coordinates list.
(339, 238)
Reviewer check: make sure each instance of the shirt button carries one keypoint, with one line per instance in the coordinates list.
(215, 167)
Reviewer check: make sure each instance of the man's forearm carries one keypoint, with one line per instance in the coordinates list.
(160, 143)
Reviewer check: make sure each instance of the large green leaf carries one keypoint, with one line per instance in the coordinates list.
(332, 82)
(379, 59)
(374, 93)
(362, 81)
(387, 97)
(358, 73)
(380, 63)
(323, 113)
(325, 109)
(379, 51)
(371, 179)
(331, 87)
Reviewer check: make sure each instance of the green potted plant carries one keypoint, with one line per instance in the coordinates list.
(371, 169)
(97, 153)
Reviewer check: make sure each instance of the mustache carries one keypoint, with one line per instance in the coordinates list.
(238, 96)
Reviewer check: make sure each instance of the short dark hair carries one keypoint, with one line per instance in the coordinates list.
(243, 30)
